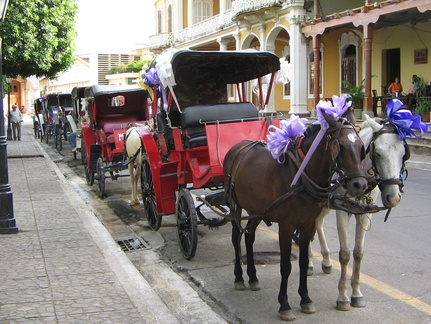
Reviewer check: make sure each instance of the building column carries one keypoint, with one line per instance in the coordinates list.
(298, 61)
(317, 72)
(223, 42)
(262, 29)
(270, 108)
(368, 39)
(177, 12)
(189, 17)
(222, 4)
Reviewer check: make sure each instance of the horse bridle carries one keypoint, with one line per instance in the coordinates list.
(333, 145)
(388, 129)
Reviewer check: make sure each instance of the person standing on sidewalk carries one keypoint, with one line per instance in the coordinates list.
(15, 119)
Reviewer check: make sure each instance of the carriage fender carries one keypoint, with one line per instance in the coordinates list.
(164, 186)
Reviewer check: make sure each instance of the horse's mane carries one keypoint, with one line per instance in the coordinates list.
(312, 129)
(366, 132)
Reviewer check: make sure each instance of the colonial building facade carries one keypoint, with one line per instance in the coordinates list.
(326, 41)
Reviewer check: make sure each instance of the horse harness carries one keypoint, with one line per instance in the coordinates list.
(376, 180)
(388, 129)
(140, 149)
(325, 196)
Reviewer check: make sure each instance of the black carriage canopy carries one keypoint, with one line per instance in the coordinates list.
(202, 76)
(95, 91)
(118, 99)
(77, 92)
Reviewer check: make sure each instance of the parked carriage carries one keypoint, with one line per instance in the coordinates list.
(75, 117)
(38, 120)
(110, 108)
(53, 124)
(186, 149)
(65, 104)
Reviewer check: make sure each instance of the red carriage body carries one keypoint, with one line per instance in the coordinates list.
(110, 109)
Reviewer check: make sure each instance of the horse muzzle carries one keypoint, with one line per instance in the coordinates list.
(355, 185)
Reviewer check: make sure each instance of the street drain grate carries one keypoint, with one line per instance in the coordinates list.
(131, 244)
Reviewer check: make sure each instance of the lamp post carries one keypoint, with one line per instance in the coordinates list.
(9, 126)
(7, 220)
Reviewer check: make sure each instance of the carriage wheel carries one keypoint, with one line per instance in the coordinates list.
(187, 224)
(101, 178)
(148, 195)
(83, 152)
(59, 138)
(40, 132)
(55, 137)
(89, 176)
(47, 131)
(67, 130)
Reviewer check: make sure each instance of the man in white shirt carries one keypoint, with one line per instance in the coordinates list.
(15, 119)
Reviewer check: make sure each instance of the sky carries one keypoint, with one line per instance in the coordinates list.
(113, 25)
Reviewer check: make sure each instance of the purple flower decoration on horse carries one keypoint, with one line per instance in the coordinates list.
(335, 109)
(404, 121)
(279, 139)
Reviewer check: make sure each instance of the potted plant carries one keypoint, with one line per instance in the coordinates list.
(356, 94)
(423, 108)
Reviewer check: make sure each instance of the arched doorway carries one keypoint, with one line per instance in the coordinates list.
(14, 95)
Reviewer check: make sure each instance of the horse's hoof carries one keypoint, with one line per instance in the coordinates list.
(254, 286)
(343, 305)
(310, 271)
(308, 308)
(134, 202)
(287, 315)
(327, 269)
(239, 285)
(358, 302)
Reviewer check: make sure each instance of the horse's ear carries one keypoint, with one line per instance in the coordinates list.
(373, 124)
(350, 115)
(331, 121)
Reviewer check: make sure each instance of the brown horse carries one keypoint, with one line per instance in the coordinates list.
(257, 183)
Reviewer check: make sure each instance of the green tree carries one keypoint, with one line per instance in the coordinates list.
(38, 37)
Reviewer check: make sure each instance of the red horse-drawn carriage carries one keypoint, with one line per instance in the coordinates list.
(199, 121)
(110, 109)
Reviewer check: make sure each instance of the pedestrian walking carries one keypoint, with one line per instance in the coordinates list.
(15, 119)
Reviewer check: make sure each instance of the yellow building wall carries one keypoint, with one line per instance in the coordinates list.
(407, 38)
(331, 63)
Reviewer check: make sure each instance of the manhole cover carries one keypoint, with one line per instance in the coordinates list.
(131, 244)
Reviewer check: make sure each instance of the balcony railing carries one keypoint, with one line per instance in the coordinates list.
(206, 26)
(243, 6)
(214, 23)
(162, 40)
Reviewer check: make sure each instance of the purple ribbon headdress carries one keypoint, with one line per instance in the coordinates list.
(279, 139)
(404, 121)
(150, 80)
(336, 110)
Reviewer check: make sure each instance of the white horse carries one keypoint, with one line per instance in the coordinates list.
(134, 150)
(385, 161)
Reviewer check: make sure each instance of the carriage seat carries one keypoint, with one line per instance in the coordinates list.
(110, 122)
(193, 119)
